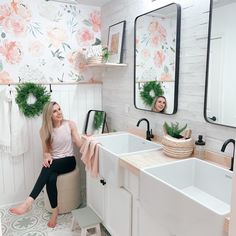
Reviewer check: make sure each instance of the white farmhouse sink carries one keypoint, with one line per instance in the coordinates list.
(188, 197)
(115, 145)
(122, 143)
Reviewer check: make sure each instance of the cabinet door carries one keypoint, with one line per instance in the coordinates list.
(117, 211)
(95, 195)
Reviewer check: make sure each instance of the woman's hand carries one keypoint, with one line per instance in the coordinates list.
(47, 160)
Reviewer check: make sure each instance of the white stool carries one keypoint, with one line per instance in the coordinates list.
(87, 219)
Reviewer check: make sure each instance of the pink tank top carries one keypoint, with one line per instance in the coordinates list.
(62, 144)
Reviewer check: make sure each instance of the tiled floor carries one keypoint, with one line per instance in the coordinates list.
(34, 223)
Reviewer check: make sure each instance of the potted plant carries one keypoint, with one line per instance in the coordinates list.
(177, 143)
(105, 54)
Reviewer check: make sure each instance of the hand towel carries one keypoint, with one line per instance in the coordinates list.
(5, 130)
(19, 129)
(90, 156)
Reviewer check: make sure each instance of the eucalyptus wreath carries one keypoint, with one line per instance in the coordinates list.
(40, 93)
(147, 89)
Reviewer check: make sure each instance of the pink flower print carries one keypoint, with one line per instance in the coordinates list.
(10, 21)
(84, 37)
(137, 41)
(78, 61)
(158, 32)
(57, 36)
(155, 40)
(95, 20)
(17, 26)
(21, 10)
(5, 12)
(166, 77)
(5, 78)
(159, 58)
(12, 52)
(36, 48)
(145, 53)
(153, 27)
(162, 33)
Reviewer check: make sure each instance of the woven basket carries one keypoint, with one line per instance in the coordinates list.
(177, 148)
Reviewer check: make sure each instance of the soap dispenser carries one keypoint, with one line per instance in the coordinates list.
(200, 147)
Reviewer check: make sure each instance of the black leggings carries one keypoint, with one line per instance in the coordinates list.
(49, 175)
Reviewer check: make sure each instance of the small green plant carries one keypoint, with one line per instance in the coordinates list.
(98, 119)
(174, 130)
(105, 54)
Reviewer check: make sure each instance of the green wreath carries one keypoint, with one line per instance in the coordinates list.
(38, 91)
(147, 88)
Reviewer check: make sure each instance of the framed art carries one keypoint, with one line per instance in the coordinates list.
(116, 41)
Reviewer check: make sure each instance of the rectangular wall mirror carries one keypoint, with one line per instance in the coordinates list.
(220, 94)
(95, 122)
(156, 59)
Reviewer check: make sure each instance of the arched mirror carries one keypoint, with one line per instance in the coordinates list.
(220, 93)
(95, 122)
(156, 59)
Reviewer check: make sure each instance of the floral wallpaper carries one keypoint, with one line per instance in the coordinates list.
(44, 41)
(155, 49)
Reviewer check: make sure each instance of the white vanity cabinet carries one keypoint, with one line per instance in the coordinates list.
(131, 184)
(95, 195)
(110, 200)
(142, 222)
(112, 204)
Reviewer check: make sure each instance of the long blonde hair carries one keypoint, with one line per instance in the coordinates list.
(47, 125)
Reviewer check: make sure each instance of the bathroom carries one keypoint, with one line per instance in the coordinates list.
(110, 89)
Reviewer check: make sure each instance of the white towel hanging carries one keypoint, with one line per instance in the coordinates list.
(13, 126)
(5, 131)
(19, 129)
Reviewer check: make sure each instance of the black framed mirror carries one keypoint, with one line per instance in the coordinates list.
(220, 95)
(95, 122)
(156, 59)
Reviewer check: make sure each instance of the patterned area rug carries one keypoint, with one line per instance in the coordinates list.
(34, 223)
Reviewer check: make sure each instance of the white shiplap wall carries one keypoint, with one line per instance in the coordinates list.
(18, 174)
(118, 83)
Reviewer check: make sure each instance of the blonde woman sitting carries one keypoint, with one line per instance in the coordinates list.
(58, 136)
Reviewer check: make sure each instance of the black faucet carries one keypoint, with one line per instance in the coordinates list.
(223, 149)
(149, 134)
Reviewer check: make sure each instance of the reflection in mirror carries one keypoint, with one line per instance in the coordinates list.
(95, 122)
(156, 59)
(220, 95)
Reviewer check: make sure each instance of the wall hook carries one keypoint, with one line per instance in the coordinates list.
(10, 88)
(50, 88)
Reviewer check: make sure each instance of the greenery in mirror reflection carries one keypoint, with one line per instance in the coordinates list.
(149, 91)
(98, 119)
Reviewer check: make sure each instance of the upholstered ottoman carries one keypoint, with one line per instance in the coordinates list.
(68, 187)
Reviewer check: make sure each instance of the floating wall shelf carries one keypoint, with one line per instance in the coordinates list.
(146, 81)
(106, 65)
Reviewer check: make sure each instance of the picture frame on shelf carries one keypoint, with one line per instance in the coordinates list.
(115, 42)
